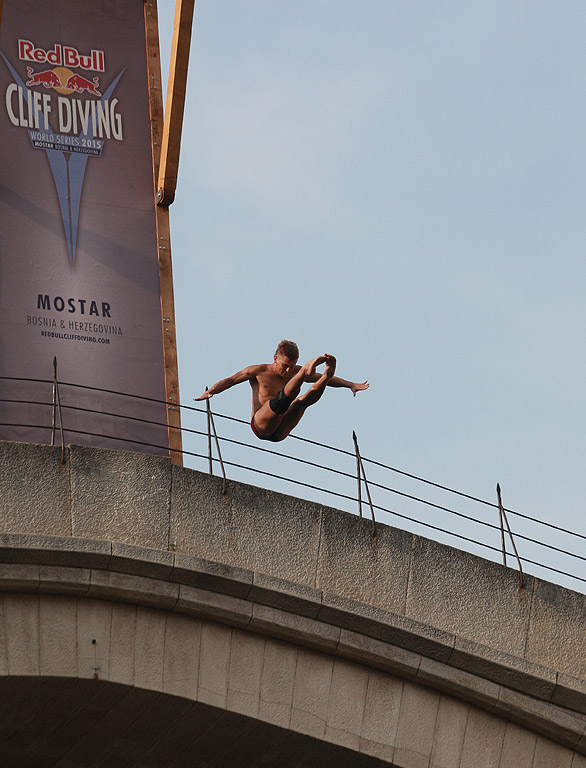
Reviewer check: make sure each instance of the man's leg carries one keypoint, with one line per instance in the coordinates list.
(296, 410)
(265, 419)
(293, 387)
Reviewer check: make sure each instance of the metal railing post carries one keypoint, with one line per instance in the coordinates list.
(210, 417)
(359, 461)
(57, 410)
(504, 515)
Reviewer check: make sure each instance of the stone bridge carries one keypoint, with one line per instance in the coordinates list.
(145, 620)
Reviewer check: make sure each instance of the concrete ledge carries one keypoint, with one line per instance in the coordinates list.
(205, 574)
(521, 691)
(550, 721)
(387, 626)
(54, 550)
(144, 501)
(504, 668)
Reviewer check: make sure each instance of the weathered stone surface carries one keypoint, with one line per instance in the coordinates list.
(93, 637)
(298, 629)
(311, 693)
(110, 585)
(416, 726)
(21, 631)
(214, 665)
(54, 550)
(121, 649)
(384, 625)
(483, 741)
(124, 496)
(149, 646)
(248, 528)
(277, 681)
(35, 501)
(245, 673)
(570, 692)
(19, 578)
(207, 574)
(353, 564)
(215, 606)
(550, 755)
(277, 610)
(182, 652)
(286, 595)
(557, 629)
(58, 636)
(381, 710)
(448, 738)
(456, 682)
(347, 702)
(60, 579)
(142, 561)
(471, 597)
(378, 654)
(504, 668)
(550, 721)
(518, 747)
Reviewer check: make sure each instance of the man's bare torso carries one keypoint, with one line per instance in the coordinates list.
(266, 384)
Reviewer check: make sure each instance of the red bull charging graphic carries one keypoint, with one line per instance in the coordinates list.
(79, 279)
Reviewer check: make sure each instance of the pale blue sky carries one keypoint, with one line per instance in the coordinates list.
(401, 184)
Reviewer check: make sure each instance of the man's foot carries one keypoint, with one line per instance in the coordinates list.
(330, 362)
(309, 367)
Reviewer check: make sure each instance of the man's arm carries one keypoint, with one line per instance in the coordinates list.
(354, 386)
(336, 381)
(244, 375)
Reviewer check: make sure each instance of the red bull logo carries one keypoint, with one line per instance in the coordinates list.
(61, 56)
(48, 78)
(63, 80)
(80, 84)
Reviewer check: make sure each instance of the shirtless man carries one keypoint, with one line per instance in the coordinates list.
(277, 405)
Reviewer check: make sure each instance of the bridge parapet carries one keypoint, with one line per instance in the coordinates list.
(115, 528)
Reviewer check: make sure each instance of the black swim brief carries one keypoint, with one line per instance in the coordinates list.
(280, 402)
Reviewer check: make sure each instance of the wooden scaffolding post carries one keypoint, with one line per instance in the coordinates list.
(175, 104)
(163, 237)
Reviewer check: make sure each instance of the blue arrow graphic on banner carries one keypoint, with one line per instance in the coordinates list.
(68, 169)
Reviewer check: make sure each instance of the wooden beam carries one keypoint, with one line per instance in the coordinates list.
(163, 237)
(171, 139)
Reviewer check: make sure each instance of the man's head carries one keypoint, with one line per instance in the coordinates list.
(286, 357)
(288, 349)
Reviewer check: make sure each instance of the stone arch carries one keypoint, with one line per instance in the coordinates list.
(198, 601)
(300, 695)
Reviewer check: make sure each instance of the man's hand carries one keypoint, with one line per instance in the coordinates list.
(206, 395)
(357, 387)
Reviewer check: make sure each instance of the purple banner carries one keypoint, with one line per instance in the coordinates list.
(79, 277)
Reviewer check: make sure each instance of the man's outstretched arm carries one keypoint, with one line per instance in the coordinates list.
(244, 375)
(353, 386)
(336, 381)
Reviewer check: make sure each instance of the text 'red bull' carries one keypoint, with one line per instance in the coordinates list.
(61, 55)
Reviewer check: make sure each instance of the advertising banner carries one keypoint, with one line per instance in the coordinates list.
(79, 277)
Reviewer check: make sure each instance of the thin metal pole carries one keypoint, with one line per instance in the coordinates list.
(209, 416)
(365, 485)
(219, 452)
(521, 577)
(358, 473)
(502, 522)
(53, 414)
(57, 406)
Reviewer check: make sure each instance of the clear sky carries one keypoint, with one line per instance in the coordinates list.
(401, 184)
